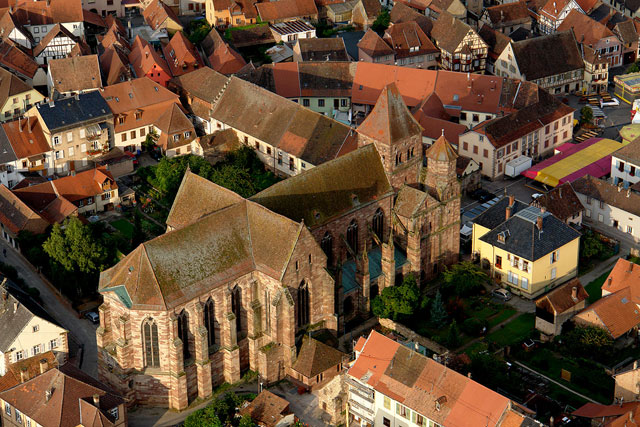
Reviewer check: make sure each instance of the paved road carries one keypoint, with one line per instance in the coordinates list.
(82, 330)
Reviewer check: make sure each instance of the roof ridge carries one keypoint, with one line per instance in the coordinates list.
(246, 212)
(153, 272)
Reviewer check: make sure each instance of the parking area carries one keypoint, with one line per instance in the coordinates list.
(511, 186)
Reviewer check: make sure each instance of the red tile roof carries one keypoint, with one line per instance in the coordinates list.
(222, 57)
(26, 137)
(181, 55)
(617, 313)
(144, 58)
(421, 383)
(286, 9)
(267, 409)
(596, 410)
(586, 30)
(157, 13)
(373, 45)
(49, 12)
(406, 36)
(13, 58)
(17, 216)
(561, 299)
(625, 274)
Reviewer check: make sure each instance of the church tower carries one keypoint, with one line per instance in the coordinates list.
(397, 137)
(441, 180)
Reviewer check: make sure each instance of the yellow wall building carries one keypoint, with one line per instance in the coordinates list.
(525, 248)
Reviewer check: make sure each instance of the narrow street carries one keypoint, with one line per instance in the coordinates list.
(81, 330)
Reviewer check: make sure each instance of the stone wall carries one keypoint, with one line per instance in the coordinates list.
(411, 335)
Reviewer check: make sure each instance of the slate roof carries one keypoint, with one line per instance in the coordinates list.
(610, 194)
(286, 125)
(71, 112)
(75, 73)
(496, 214)
(316, 357)
(390, 121)
(329, 190)
(562, 202)
(323, 49)
(70, 388)
(549, 55)
(523, 239)
(217, 241)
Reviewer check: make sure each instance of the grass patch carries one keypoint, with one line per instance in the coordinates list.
(594, 288)
(124, 227)
(501, 316)
(476, 347)
(513, 332)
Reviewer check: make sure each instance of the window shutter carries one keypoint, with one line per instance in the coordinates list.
(398, 408)
(520, 264)
(413, 417)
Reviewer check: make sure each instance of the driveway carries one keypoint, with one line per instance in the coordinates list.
(305, 405)
(81, 330)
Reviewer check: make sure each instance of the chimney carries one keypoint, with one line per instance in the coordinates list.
(543, 209)
(469, 375)
(560, 192)
(52, 103)
(512, 200)
(47, 394)
(635, 365)
(96, 400)
(24, 374)
(628, 192)
(15, 306)
(507, 214)
(44, 366)
(574, 293)
(539, 223)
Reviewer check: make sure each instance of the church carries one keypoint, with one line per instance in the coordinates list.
(234, 283)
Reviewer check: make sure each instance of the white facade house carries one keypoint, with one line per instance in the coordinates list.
(625, 165)
(40, 31)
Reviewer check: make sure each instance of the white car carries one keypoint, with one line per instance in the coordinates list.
(613, 103)
(535, 196)
(502, 294)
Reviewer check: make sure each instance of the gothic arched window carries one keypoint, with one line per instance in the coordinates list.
(150, 342)
(303, 304)
(236, 306)
(183, 332)
(378, 223)
(210, 321)
(352, 235)
(327, 247)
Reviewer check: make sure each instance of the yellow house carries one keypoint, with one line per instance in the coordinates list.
(526, 249)
(16, 96)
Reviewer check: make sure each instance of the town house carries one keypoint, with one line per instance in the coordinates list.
(596, 71)
(69, 76)
(75, 128)
(625, 165)
(461, 48)
(16, 97)
(553, 13)
(147, 62)
(595, 35)
(554, 309)
(229, 13)
(508, 17)
(16, 216)
(41, 16)
(411, 46)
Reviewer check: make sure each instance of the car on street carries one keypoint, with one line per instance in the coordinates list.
(482, 195)
(536, 195)
(93, 317)
(502, 294)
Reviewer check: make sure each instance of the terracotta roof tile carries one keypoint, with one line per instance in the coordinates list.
(323, 49)
(561, 299)
(316, 357)
(546, 56)
(617, 312)
(43, 12)
(221, 56)
(449, 32)
(286, 9)
(12, 57)
(406, 36)
(144, 57)
(441, 151)
(625, 274)
(509, 14)
(373, 45)
(267, 409)
(76, 73)
(30, 366)
(114, 66)
(17, 215)
(56, 31)
(596, 410)
(496, 40)
(586, 30)
(608, 193)
(157, 13)
(26, 137)
(562, 202)
(181, 55)
(403, 13)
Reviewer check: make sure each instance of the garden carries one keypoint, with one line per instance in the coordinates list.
(594, 248)
(223, 411)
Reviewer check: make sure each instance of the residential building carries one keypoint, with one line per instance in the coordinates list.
(496, 42)
(219, 55)
(16, 216)
(558, 306)
(461, 48)
(627, 388)
(91, 191)
(70, 76)
(595, 35)
(275, 285)
(147, 62)
(137, 106)
(553, 13)
(227, 13)
(176, 134)
(615, 415)
(563, 203)
(411, 46)
(58, 43)
(315, 49)
(596, 71)
(23, 149)
(290, 31)
(26, 369)
(41, 16)
(114, 66)
(625, 164)
(617, 311)
(74, 128)
(181, 55)
(159, 15)
(403, 13)
(533, 131)
(287, 10)
(628, 35)
(40, 401)
(553, 62)
(372, 48)
(436, 121)
(609, 207)
(525, 249)
(15, 31)
(316, 364)
(20, 63)
(27, 330)
(468, 172)
(16, 97)
(365, 12)
(507, 17)
(390, 384)
(106, 7)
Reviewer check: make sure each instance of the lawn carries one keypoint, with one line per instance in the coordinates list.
(594, 289)
(124, 227)
(513, 332)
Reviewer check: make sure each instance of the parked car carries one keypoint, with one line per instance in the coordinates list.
(93, 317)
(536, 195)
(482, 195)
(502, 294)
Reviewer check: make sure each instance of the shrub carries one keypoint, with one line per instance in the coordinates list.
(474, 327)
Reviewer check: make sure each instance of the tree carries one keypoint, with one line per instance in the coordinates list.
(235, 179)
(198, 30)
(453, 336)
(633, 68)
(150, 141)
(464, 278)
(591, 246)
(588, 340)
(586, 115)
(438, 312)
(398, 301)
(246, 421)
(74, 247)
(382, 22)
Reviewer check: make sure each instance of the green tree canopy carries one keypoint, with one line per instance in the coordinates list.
(586, 115)
(398, 301)
(438, 311)
(464, 279)
(75, 248)
(453, 336)
(382, 22)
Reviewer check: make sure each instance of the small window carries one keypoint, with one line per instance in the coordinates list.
(320, 102)
(133, 134)
(387, 403)
(114, 413)
(19, 355)
(629, 229)
(187, 134)
(305, 102)
(386, 422)
(36, 328)
(498, 261)
(53, 343)
(7, 408)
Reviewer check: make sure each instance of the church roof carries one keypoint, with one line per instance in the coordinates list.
(329, 190)
(441, 150)
(233, 238)
(390, 120)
